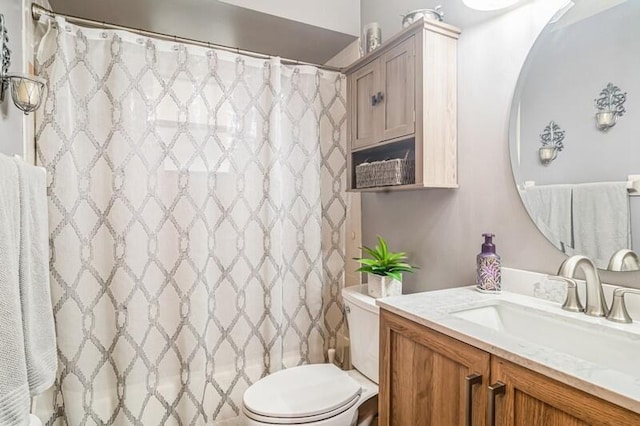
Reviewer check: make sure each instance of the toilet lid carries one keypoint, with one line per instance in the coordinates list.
(304, 391)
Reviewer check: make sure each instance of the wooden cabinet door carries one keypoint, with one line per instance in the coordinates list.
(424, 377)
(531, 399)
(398, 90)
(365, 112)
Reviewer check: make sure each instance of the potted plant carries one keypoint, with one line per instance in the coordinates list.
(384, 270)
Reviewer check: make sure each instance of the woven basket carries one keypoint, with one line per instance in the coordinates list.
(397, 171)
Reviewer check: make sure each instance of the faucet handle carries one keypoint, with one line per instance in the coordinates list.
(618, 312)
(572, 301)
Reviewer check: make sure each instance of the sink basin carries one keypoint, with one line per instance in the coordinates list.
(586, 339)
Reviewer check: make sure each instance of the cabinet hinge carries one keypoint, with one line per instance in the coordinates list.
(414, 115)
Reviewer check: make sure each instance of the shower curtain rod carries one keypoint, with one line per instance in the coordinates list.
(38, 11)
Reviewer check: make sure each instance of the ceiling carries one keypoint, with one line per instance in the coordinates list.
(388, 13)
(222, 22)
(217, 22)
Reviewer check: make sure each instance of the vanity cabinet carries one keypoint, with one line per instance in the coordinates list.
(428, 378)
(402, 103)
(532, 399)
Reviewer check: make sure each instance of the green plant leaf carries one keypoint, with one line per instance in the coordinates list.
(370, 262)
(383, 262)
(394, 257)
(373, 253)
(384, 251)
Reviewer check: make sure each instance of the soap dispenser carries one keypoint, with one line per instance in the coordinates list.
(489, 274)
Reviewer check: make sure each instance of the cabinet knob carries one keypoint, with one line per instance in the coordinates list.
(377, 98)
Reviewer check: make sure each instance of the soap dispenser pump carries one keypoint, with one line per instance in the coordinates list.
(489, 274)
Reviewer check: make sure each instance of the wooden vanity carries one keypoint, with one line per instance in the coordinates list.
(429, 378)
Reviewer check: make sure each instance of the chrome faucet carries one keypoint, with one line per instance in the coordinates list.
(596, 303)
(618, 312)
(624, 260)
(572, 301)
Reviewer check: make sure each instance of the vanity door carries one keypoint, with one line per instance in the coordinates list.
(428, 379)
(525, 398)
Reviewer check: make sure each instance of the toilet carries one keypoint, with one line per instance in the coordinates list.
(323, 394)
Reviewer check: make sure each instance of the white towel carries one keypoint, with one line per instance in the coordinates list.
(14, 386)
(550, 208)
(35, 293)
(601, 220)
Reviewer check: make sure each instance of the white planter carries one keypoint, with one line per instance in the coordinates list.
(380, 286)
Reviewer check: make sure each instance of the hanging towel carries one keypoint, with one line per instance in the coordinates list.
(601, 220)
(35, 293)
(550, 208)
(14, 386)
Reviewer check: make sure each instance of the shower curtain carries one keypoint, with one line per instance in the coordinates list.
(197, 213)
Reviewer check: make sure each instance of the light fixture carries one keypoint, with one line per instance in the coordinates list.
(551, 139)
(610, 106)
(26, 90)
(488, 5)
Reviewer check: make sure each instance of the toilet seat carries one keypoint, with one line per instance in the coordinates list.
(304, 394)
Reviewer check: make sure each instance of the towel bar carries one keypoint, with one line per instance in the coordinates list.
(633, 185)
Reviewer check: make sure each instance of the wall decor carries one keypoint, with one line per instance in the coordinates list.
(26, 90)
(610, 105)
(372, 37)
(435, 14)
(551, 139)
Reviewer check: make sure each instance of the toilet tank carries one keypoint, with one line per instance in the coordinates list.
(363, 318)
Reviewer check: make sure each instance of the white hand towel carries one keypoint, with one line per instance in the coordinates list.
(35, 293)
(14, 386)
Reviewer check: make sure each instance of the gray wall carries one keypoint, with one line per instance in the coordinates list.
(10, 116)
(573, 64)
(441, 229)
(337, 15)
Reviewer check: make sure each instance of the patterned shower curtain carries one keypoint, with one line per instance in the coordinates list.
(197, 213)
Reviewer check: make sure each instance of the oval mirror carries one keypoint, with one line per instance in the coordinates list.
(575, 132)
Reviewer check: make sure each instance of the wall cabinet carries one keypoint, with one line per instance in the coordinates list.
(402, 103)
(427, 378)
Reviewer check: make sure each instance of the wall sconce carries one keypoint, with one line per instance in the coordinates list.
(551, 139)
(26, 90)
(610, 105)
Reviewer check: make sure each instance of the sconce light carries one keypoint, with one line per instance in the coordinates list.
(26, 90)
(551, 139)
(610, 105)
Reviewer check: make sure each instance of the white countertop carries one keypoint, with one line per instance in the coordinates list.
(433, 309)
